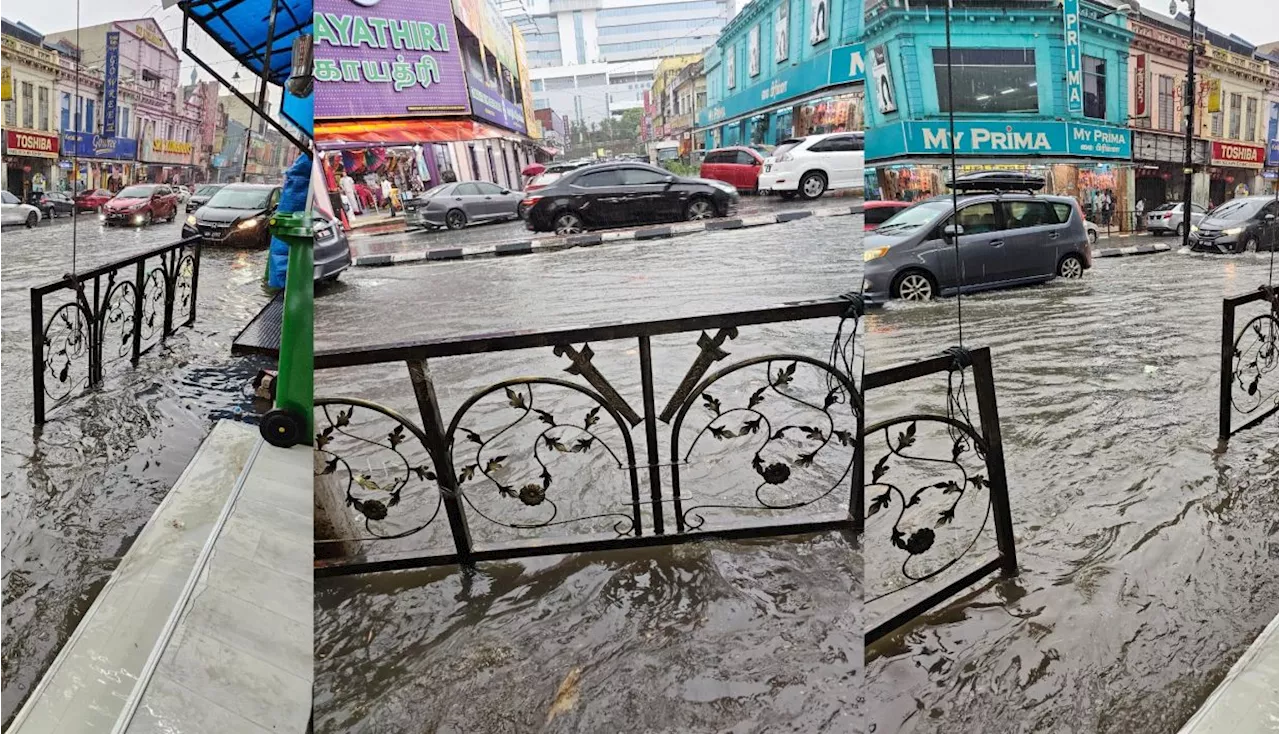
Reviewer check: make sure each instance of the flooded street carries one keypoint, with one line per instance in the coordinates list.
(1148, 563)
(745, 637)
(78, 489)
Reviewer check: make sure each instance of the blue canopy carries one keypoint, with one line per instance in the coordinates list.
(240, 28)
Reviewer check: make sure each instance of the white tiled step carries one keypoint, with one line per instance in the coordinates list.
(1245, 702)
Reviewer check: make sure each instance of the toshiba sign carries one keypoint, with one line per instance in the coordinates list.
(1237, 155)
(33, 144)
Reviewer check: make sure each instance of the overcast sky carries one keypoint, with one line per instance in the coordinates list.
(1256, 21)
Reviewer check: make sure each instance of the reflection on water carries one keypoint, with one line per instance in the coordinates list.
(77, 490)
(1148, 564)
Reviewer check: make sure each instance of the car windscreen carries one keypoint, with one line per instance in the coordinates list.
(784, 146)
(435, 191)
(230, 198)
(1166, 207)
(207, 190)
(912, 218)
(136, 192)
(1235, 210)
(547, 178)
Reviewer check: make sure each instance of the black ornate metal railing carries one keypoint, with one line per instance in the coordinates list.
(936, 484)
(116, 311)
(764, 446)
(1248, 389)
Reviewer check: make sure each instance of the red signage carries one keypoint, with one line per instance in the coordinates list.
(1140, 85)
(1238, 155)
(37, 145)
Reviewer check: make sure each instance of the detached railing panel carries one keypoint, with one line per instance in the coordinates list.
(104, 315)
(936, 490)
(753, 447)
(1248, 390)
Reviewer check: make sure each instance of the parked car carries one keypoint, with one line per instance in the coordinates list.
(620, 194)
(141, 204)
(53, 204)
(202, 196)
(814, 164)
(876, 213)
(92, 200)
(1006, 234)
(736, 165)
(1246, 224)
(332, 253)
(15, 212)
(236, 216)
(1168, 218)
(455, 205)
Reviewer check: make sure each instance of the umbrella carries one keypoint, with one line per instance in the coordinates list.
(533, 169)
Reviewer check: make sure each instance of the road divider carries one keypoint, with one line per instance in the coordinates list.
(1152, 249)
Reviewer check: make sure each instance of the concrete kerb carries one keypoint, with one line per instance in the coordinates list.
(552, 244)
(1153, 249)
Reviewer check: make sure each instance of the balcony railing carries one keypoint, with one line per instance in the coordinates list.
(1247, 391)
(104, 315)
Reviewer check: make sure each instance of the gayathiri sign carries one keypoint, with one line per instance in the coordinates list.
(387, 58)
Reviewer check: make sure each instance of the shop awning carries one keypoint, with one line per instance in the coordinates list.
(362, 133)
(240, 27)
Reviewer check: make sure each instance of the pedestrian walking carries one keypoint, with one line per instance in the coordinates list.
(1138, 210)
(386, 195)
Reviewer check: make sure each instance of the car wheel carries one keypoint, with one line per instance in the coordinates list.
(1250, 244)
(455, 219)
(151, 217)
(569, 223)
(1072, 266)
(914, 285)
(32, 219)
(699, 209)
(1181, 228)
(813, 185)
(787, 195)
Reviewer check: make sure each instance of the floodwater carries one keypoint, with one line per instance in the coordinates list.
(79, 489)
(1148, 562)
(738, 637)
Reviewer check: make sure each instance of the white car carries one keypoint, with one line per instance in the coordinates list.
(814, 164)
(14, 211)
(1168, 218)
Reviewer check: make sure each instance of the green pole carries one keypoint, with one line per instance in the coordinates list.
(295, 381)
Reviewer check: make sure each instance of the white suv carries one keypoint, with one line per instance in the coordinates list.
(814, 164)
(15, 212)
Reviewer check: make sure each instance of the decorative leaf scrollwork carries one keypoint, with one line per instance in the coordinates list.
(154, 291)
(183, 282)
(1254, 359)
(67, 344)
(117, 319)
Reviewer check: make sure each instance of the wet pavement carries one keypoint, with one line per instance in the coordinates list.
(745, 637)
(80, 488)
(1148, 562)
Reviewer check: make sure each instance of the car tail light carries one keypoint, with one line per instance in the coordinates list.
(1166, 215)
(530, 201)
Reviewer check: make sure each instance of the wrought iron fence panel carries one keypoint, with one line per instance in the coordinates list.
(1248, 390)
(105, 314)
(546, 465)
(935, 486)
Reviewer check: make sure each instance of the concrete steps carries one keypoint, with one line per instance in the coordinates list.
(1245, 702)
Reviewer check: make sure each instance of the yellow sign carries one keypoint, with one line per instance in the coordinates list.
(6, 85)
(1215, 95)
(170, 146)
(145, 31)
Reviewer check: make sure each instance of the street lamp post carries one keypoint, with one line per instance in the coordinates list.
(1189, 99)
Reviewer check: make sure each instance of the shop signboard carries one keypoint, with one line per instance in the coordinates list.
(1140, 107)
(487, 103)
(497, 34)
(1236, 155)
(394, 58)
(1273, 145)
(1075, 73)
(111, 85)
(84, 145)
(843, 65)
(782, 32)
(753, 51)
(468, 13)
(818, 21)
(6, 84)
(999, 139)
(32, 144)
(526, 90)
(885, 100)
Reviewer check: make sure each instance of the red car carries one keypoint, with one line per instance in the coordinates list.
(141, 204)
(92, 200)
(876, 213)
(737, 165)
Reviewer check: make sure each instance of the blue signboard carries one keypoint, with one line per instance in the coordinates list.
(84, 145)
(1075, 77)
(110, 85)
(488, 104)
(1273, 145)
(999, 138)
(841, 65)
(300, 111)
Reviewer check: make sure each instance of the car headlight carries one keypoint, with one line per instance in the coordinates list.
(191, 219)
(1195, 228)
(728, 188)
(1233, 231)
(249, 223)
(874, 253)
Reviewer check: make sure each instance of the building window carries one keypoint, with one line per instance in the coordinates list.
(535, 85)
(28, 105)
(1164, 101)
(88, 116)
(10, 114)
(1215, 124)
(1095, 87)
(988, 79)
(124, 122)
(1234, 132)
(43, 95)
(1251, 120)
(66, 112)
(579, 37)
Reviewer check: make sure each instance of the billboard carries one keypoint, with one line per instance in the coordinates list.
(1075, 74)
(526, 90)
(395, 58)
(111, 85)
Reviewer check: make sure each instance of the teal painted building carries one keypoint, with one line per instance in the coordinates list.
(782, 68)
(1038, 84)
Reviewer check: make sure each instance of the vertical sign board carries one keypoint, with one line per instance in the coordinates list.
(1273, 145)
(1140, 85)
(1071, 36)
(883, 81)
(110, 85)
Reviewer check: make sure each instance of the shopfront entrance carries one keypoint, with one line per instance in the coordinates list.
(30, 158)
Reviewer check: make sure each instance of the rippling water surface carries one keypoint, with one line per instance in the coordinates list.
(78, 490)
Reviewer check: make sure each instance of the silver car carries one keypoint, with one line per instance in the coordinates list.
(455, 205)
(1167, 218)
(1004, 239)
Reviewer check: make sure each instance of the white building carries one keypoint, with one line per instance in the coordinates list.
(30, 127)
(593, 58)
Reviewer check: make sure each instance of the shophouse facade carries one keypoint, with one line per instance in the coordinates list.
(30, 132)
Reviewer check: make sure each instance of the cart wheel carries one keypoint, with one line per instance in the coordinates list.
(282, 428)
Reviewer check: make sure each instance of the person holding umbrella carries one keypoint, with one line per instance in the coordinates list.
(532, 171)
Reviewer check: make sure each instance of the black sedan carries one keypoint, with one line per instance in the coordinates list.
(236, 216)
(623, 194)
(202, 196)
(54, 204)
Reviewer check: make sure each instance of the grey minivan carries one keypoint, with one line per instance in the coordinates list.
(1005, 238)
